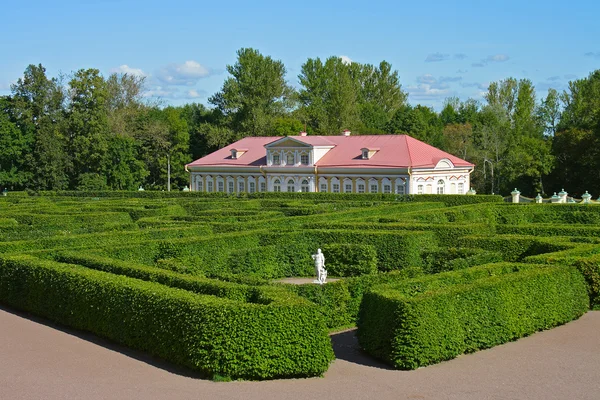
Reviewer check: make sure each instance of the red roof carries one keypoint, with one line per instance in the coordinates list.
(395, 151)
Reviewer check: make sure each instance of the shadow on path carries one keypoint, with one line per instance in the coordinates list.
(345, 346)
(90, 337)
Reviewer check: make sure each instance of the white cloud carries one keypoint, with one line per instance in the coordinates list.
(426, 91)
(450, 78)
(171, 92)
(159, 91)
(491, 59)
(187, 73)
(194, 94)
(427, 79)
(436, 57)
(595, 54)
(346, 60)
(126, 69)
(498, 58)
(480, 86)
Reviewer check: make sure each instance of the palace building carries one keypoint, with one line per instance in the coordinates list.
(339, 164)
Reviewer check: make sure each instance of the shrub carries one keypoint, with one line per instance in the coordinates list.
(590, 268)
(350, 259)
(424, 321)
(213, 335)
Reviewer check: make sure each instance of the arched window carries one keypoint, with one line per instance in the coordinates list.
(360, 185)
(304, 186)
(291, 185)
(347, 185)
(373, 186)
(251, 184)
(277, 185)
(322, 185)
(209, 184)
(241, 185)
(420, 189)
(400, 186)
(440, 186)
(386, 184)
(335, 185)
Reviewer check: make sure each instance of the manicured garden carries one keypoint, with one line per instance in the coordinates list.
(194, 278)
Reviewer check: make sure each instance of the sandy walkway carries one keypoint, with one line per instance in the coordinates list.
(38, 361)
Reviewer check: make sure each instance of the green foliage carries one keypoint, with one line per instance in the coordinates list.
(213, 335)
(427, 320)
(590, 269)
(232, 248)
(350, 259)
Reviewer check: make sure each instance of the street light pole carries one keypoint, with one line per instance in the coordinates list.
(492, 171)
(168, 172)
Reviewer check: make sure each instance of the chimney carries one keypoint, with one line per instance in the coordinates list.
(346, 132)
(302, 133)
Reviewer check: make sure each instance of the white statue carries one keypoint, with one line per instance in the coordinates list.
(320, 270)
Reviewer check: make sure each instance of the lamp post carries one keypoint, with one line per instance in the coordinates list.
(168, 172)
(485, 160)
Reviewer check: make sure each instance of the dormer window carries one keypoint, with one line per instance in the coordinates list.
(304, 159)
(368, 152)
(237, 153)
(276, 159)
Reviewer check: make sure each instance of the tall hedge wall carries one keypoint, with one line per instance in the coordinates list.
(425, 321)
(210, 334)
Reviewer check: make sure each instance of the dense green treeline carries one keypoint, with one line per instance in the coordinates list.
(87, 131)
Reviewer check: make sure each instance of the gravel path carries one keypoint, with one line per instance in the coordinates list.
(41, 361)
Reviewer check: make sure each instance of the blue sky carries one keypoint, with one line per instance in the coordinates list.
(440, 48)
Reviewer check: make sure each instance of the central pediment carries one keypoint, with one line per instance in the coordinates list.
(287, 142)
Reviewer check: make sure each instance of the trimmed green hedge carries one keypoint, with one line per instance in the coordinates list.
(448, 199)
(347, 259)
(210, 334)
(425, 321)
(339, 301)
(514, 247)
(451, 259)
(590, 268)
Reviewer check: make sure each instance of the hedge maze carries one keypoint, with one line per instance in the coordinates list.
(195, 278)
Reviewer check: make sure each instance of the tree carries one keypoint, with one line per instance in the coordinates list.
(88, 122)
(458, 140)
(337, 95)
(549, 112)
(37, 107)
(122, 169)
(13, 149)
(329, 95)
(255, 94)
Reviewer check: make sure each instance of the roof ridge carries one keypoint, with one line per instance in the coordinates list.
(408, 148)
